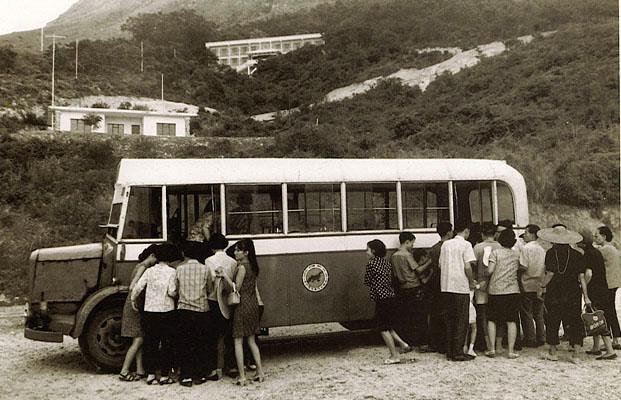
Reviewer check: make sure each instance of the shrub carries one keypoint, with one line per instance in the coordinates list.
(100, 104)
(126, 105)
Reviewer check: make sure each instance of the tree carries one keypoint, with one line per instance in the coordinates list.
(92, 120)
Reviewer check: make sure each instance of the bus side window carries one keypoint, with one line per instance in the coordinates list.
(372, 206)
(253, 209)
(143, 219)
(473, 202)
(424, 204)
(506, 209)
(314, 208)
(189, 207)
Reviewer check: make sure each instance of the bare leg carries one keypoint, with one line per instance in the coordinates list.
(131, 355)
(390, 343)
(607, 342)
(473, 338)
(511, 335)
(256, 354)
(596, 343)
(397, 339)
(239, 357)
(139, 363)
(491, 329)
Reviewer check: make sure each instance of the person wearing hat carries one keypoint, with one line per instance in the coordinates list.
(565, 283)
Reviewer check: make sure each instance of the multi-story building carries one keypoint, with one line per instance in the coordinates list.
(237, 53)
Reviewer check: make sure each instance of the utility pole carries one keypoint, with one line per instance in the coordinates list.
(41, 39)
(54, 36)
(163, 106)
(141, 56)
(76, 59)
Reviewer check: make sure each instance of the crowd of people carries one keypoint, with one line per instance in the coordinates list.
(191, 309)
(481, 289)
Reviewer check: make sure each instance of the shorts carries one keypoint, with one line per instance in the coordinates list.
(503, 308)
(385, 312)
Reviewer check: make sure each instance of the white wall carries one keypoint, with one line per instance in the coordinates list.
(127, 123)
(151, 121)
(67, 116)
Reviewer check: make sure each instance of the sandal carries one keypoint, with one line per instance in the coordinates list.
(166, 380)
(258, 379)
(390, 361)
(139, 376)
(490, 353)
(406, 349)
(594, 352)
(151, 380)
(513, 356)
(128, 377)
(607, 356)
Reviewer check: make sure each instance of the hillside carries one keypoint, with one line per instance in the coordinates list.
(94, 19)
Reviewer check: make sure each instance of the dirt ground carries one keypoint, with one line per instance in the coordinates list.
(333, 366)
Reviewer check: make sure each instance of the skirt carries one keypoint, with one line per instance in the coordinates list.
(130, 323)
(385, 314)
(503, 308)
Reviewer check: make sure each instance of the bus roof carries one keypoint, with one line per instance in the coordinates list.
(309, 170)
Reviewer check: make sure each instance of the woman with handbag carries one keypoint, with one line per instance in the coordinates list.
(246, 308)
(598, 292)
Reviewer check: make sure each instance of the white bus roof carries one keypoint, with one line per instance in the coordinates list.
(310, 170)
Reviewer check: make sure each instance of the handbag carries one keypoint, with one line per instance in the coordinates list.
(233, 298)
(594, 321)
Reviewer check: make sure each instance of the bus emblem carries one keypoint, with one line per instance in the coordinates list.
(315, 277)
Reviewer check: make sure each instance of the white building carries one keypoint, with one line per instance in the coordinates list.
(237, 53)
(123, 122)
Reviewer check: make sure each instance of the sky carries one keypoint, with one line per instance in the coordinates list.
(23, 15)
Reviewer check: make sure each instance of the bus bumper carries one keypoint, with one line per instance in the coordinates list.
(43, 336)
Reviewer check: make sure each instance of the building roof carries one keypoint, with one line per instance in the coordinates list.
(262, 40)
(119, 112)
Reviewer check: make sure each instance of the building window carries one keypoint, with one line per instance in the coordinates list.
(117, 129)
(243, 49)
(78, 126)
(314, 208)
(372, 206)
(166, 129)
(135, 129)
(253, 209)
(424, 204)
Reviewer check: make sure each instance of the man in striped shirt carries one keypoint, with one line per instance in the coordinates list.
(194, 281)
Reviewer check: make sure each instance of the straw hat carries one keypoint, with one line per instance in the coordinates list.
(559, 235)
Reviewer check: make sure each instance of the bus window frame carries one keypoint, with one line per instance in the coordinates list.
(285, 194)
(121, 239)
(512, 192)
(373, 231)
(494, 198)
(223, 210)
(450, 205)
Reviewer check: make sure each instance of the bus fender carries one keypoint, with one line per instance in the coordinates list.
(91, 303)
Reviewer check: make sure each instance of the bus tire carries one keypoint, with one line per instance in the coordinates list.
(358, 325)
(101, 343)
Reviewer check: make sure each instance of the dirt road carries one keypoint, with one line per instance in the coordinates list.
(343, 367)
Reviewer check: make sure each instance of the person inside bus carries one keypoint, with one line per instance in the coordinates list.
(219, 310)
(246, 315)
(409, 290)
(378, 277)
(130, 322)
(437, 330)
(158, 316)
(206, 224)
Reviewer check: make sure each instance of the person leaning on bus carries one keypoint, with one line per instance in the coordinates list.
(378, 277)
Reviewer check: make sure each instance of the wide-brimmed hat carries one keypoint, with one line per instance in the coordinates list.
(559, 235)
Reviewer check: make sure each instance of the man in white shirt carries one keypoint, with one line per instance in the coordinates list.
(456, 279)
(532, 260)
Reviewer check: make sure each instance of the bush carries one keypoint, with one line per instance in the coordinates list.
(126, 105)
(100, 104)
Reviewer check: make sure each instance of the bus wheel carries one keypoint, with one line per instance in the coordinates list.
(101, 343)
(358, 325)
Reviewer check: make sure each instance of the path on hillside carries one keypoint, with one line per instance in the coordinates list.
(418, 77)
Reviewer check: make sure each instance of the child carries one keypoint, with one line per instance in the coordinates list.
(472, 322)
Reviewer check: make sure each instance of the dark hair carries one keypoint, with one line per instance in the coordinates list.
(506, 238)
(405, 236)
(461, 226)
(248, 245)
(532, 229)
(506, 223)
(419, 254)
(168, 252)
(147, 252)
(488, 229)
(378, 248)
(198, 251)
(606, 232)
(443, 228)
(217, 241)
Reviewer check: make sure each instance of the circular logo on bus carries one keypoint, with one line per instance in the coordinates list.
(315, 277)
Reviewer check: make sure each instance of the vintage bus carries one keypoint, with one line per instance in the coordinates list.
(310, 220)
